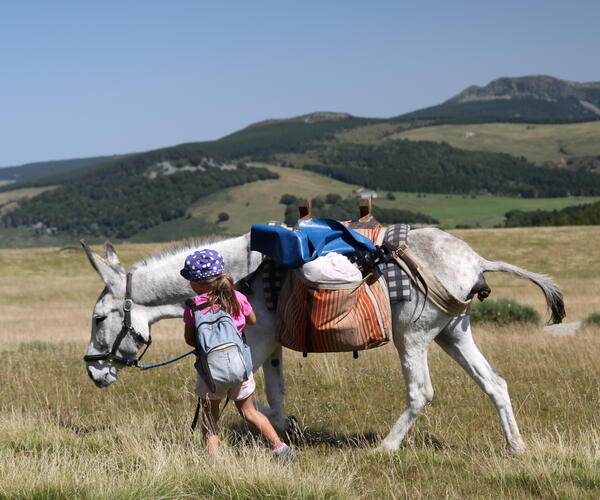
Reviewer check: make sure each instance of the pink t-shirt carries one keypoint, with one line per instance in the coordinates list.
(240, 320)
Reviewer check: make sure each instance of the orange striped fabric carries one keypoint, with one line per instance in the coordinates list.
(371, 228)
(315, 318)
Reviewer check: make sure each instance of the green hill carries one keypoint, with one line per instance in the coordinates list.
(546, 142)
(42, 168)
(131, 194)
(170, 192)
(429, 167)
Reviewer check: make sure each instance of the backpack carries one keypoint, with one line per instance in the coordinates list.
(224, 359)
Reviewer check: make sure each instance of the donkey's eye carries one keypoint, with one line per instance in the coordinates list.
(99, 319)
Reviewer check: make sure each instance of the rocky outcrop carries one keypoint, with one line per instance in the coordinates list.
(540, 87)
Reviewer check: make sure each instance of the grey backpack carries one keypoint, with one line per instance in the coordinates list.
(224, 359)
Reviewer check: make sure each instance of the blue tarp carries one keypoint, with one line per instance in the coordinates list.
(316, 237)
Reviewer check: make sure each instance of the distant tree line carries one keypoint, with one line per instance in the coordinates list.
(439, 168)
(125, 202)
(333, 206)
(580, 215)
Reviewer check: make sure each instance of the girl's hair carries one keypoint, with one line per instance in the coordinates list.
(222, 291)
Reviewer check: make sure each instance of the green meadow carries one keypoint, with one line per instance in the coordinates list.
(536, 142)
(258, 202)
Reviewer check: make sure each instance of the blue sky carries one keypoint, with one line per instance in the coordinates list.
(94, 78)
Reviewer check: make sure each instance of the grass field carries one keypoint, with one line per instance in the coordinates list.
(259, 201)
(535, 142)
(19, 194)
(60, 437)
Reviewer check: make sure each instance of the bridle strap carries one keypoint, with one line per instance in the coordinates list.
(126, 329)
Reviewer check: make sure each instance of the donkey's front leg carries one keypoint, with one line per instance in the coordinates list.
(412, 340)
(275, 388)
(419, 393)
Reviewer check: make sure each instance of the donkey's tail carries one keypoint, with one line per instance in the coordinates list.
(554, 297)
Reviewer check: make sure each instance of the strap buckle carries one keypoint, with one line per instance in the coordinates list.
(127, 305)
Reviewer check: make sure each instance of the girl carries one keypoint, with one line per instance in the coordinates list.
(204, 270)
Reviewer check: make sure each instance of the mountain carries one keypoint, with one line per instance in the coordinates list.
(42, 168)
(528, 98)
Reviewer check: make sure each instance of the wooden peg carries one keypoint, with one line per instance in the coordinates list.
(365, 209)
(305, 208)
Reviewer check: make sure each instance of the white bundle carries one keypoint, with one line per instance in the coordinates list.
(333, 267)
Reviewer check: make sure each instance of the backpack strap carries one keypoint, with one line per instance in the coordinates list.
(196, 415)
(197, 412)
(191, 303)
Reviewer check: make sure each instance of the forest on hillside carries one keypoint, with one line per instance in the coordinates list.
(123, 203)
(430, 167)
(579, 215)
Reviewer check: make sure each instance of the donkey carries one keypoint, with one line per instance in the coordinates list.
(158, 291)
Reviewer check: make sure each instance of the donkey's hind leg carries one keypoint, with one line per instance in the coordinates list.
(457, 340)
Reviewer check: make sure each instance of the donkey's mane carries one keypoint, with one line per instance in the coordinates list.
(176, 249)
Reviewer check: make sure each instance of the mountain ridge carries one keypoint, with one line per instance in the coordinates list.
(314, 117)
(542, 87)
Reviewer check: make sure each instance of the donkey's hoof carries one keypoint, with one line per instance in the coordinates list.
(386, 447)
(516, 447)
(293, 430)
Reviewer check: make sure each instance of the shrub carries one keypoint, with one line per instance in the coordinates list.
(332, 198)
(503, 312)
(390, 196)
(223, 216)
(593, 319)
(288, 199)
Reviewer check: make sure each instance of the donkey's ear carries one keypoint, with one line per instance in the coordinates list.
(110, 276)
(112, 258)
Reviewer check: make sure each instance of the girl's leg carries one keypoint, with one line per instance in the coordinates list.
(210, 425)
(251, 415)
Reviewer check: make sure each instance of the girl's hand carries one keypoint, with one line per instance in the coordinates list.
(190, 335)
(251, 318)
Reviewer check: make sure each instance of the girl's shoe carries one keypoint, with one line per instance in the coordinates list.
(284, 452)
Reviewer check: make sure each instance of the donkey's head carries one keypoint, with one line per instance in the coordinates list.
(113, 344)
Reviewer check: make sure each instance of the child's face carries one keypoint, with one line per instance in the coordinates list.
(200, 286)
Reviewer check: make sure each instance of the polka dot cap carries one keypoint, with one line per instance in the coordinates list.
(202, 264)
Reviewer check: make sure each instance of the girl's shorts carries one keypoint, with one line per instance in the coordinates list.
(235, 393)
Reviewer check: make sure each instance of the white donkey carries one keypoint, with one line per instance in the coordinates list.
(158, 291)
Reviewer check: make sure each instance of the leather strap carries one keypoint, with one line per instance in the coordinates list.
(428, 283)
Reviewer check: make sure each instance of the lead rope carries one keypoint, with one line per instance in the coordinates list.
(197, 413)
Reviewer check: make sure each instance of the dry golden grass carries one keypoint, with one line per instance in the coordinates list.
(60, 437)
(19, 194)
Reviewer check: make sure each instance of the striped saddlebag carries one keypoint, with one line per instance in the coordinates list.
(326, 317)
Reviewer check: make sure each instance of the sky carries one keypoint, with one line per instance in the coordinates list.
(80, 79)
